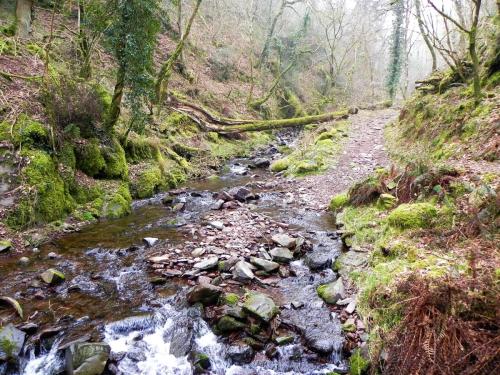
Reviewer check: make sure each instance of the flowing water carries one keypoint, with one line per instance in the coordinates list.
(108, 295)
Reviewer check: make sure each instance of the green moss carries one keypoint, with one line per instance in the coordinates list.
(290, 105)
(116, 203)
(47, 199)
(105, 96)
(386, 201)
(148, 182)
(280, 165)
(139, 148)
(339, 201)
(89, 158)
(231, 299)
(358, 365)
(26, 132)
(35, 49)
(306, 167)
(116, 161)
(6, 46)
(330, 134)
(410, 216)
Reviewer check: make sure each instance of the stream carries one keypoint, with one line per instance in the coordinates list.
(113, 295)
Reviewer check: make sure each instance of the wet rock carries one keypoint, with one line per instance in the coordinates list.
(53, 255)
(150, 241)
(198, 252)
(11, 342)
(284, 272)
(160, 259)
(243, 272)
(261, 163)
(261, 305)
(29, 328)
(230, 205)
(84, 284)
(52, 276)
(5, 245)
(284, 240)
(240, 353)
(219, 225)
(265, 265)
(201, 362)
(318, 260)
(207, 264)
(87, 358)
(172, 273)
(281, 255)
(181, 340)
(332, 292)
(240, 193)
(24, 261)
(228, 324)
(206, 294)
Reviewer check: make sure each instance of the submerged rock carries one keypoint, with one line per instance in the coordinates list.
(206, 294)
(52, 276)
(261, 305)
(281, 255)
(87, 358)
(264, 264)
(11, 342)
(332, 292)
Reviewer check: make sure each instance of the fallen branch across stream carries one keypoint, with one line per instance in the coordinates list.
(209, 122)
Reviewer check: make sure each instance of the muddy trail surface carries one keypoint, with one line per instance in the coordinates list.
(219, 277)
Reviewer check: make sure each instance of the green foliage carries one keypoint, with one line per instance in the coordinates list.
(358, 365)
(280, 165)
(339, 201)
(416, 215)
(290, 106)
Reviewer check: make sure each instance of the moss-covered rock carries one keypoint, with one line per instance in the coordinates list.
(116, 203)
(339, 201)
(307, 166)
(280, 165)
(231, 299)
(412, 216)
(116, 161)
(89, 158)
(26, 132)
(228, 324)
(148, 182)
(46, 198)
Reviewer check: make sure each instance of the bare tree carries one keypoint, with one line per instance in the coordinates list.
(471, 33)
(424, 33)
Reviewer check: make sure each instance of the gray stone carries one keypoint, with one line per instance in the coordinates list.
(87, 358)
(181, 341)
(52, 255)
(284, 340)
(265, 265)
(206, 294)
(11, 342)
(350, 307)
(261, 163)
(281, 255)
(219, 225)
(150, 241)
(52, 276)
(228, 324)
(226, 265)
(261, 305)
(332, 292)
(207, 264)
(240, 353)
(24, 261)
(198, 252)
(240, 193)
(284, 240)
(243, 272)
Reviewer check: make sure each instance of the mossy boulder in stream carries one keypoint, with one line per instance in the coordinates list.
(11, 342)
(116, 203)
(413, 216)
(332, 292)
(53, 276)
(87, 358)
(228, 324)
(149, 181)
(261, 306)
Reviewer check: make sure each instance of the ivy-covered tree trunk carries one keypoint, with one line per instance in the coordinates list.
(23, 18)
(397, 46)
(270, 34)
(166, 70)
(116, 102)
(84, 47)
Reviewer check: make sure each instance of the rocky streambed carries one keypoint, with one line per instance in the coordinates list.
(218, 278)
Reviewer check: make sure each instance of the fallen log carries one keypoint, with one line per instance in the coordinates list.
(210, 122)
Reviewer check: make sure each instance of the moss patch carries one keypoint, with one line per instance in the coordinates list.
(89, 158)
(417, 215)
(339, 201)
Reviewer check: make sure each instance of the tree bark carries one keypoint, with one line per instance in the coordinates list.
(165, 73)
(23, 18)
(476, 80)
(116, 102)
(265, 49)
(420, 21)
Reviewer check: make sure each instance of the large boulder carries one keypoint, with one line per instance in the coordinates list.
(206, 294)
(261, 306)
(264, 264)
(281, 255)
(11, 342)
(332, 292)
(53, 277)
(87, 358)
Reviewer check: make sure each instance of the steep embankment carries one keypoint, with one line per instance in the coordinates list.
(422, 237)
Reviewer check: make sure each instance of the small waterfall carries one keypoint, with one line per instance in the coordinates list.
(47, 363)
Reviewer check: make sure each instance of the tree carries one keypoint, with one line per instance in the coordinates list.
(397, 47)
(165, 72)
(133, 36)
(471, 33)
(23, 17)
(424, 33)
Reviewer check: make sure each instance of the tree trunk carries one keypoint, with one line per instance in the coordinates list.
(473, 53)
(265, 49)
(166, 69)
(84, 47)
(23, 18)
(116, 102)
(418, 9)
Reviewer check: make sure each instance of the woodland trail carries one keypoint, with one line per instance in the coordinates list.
(363, 151)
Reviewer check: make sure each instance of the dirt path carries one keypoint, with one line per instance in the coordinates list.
(363, 151)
